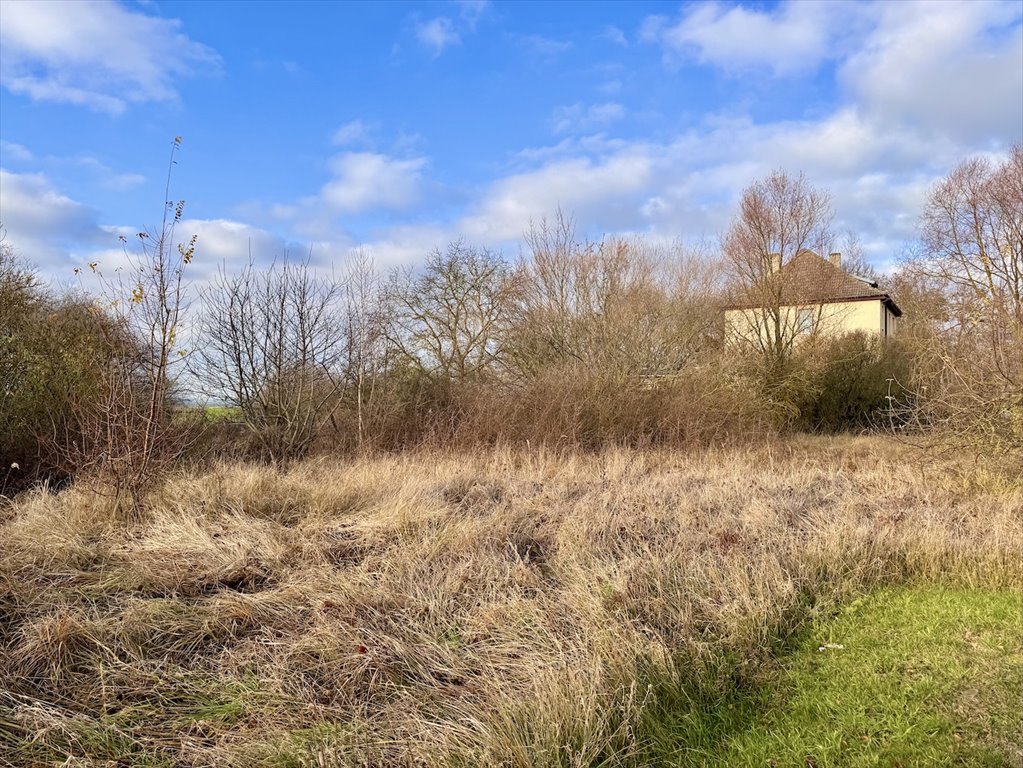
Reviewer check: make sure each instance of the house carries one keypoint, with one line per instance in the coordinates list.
(810, 295)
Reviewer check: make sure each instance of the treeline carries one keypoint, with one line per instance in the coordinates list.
(575, 342)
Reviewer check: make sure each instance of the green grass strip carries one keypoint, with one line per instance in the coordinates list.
(923, 676)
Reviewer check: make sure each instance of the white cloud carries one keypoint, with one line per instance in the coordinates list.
(437, 34)
(952, 67)
(13, 151)
(42, 224)
(577, 117)
(231, 244)
(369, 180)
(538, 45)
(615, 35)
(787, 38)
(101, 173)
(610, 87)
(122, 181)
(361, 184)
(471, 11)
(96, 54)
(406, 244)
(703, 171)
(106, 176)
(442, 32)
(98, 172)
(579, 185)
(353, 132)
(604, 113)
(688, 185)
(57, 234)
(221, 244)
(925, 84)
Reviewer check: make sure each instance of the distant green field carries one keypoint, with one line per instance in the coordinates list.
(906, 677)
(217, 413)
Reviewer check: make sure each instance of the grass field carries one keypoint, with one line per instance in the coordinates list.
(523, 609)
(222, 413)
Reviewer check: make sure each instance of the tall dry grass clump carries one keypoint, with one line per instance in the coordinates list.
(506, 608)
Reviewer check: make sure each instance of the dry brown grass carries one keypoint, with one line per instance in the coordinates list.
(508, 608)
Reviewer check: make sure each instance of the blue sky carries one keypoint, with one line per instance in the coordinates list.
(396, 127)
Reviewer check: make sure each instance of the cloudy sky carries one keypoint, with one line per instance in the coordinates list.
(400, 126)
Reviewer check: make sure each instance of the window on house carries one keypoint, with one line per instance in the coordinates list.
(805, 320)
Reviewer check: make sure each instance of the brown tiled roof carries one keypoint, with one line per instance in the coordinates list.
(809, 279)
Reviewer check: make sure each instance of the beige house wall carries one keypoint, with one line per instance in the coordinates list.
(832, 319)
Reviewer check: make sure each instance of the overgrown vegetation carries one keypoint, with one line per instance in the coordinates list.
(578, 342)
(509, 608)
(55, 355)
(88, 383)
(967, 285)
(487, 512)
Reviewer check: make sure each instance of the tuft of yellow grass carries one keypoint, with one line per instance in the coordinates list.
(512, 607)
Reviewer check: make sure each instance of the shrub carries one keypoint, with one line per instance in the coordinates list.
(73, 386)
(573, 405)
(853, 377)
(52, 369)
(835, 385)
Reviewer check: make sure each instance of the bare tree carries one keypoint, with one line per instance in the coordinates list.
(128, 435)
(446, 318)
(546, 296)
(271, 343)
(620, 306)
(366, 323)
(972, 256)
(972, 231)
(663, 318)
(779, 217)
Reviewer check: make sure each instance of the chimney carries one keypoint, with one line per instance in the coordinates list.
(835, 258)
(775, 262)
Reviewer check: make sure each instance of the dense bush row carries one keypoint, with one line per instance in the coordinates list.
(641, 363)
